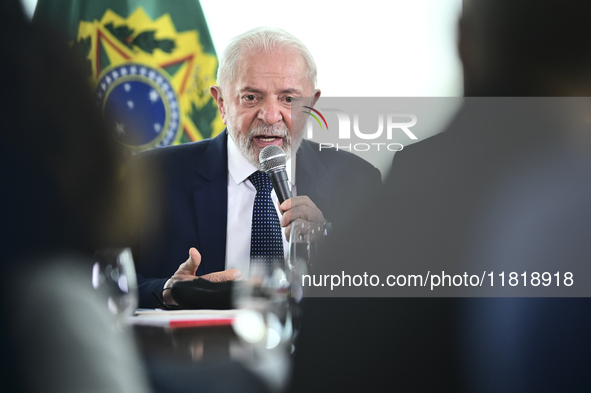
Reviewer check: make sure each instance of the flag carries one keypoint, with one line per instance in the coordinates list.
(150, 63)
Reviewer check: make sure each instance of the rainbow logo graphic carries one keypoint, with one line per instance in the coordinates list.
(314, 116)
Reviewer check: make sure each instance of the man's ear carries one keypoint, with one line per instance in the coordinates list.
(316, 97)
(216, 93)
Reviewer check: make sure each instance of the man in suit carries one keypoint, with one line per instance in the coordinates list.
(207, 195)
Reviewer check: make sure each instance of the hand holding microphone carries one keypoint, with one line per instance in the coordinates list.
(273, 159)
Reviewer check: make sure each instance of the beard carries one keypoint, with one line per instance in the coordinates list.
(251, 152)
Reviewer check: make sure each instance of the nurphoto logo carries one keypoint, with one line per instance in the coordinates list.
(395, 124)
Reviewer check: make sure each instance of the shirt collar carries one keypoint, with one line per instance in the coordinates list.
(240, 168)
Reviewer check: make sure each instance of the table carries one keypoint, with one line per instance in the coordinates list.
(195, 359)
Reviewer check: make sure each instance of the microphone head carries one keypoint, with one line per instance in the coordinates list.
(271, 158)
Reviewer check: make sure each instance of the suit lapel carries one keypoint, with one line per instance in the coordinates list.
(211, 200)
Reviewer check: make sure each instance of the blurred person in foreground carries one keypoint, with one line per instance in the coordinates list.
(508, 182)
(60, 202)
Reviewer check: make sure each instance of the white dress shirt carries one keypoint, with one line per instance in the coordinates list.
(241, 195)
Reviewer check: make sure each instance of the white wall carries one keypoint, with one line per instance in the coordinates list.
(375, 48)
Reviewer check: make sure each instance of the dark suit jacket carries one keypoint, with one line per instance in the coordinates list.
(192, 207)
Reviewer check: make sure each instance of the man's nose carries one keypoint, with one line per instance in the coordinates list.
(271, 112)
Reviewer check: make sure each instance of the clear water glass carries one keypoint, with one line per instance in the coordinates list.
(113, 274)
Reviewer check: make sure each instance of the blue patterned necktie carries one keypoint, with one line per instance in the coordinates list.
(266, 242)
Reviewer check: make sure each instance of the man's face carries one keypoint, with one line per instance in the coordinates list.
(256, 106)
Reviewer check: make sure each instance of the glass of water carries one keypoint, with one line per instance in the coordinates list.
(113, 273)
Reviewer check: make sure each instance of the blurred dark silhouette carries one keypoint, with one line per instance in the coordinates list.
(508, 182)
(520, 49)
(60, 201)
(540, 213)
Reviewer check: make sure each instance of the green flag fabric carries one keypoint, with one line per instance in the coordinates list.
(151, 63)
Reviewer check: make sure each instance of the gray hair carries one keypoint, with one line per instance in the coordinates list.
(266, 40)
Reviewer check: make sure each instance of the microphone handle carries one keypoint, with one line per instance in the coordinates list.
(280, 184)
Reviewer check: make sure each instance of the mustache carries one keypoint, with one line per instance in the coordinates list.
(279, 130)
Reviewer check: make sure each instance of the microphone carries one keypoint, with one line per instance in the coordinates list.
(272, 159)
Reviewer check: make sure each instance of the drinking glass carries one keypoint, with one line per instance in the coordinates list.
(262, 302)
(263, 323)
(113, 273)
(305, 243)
